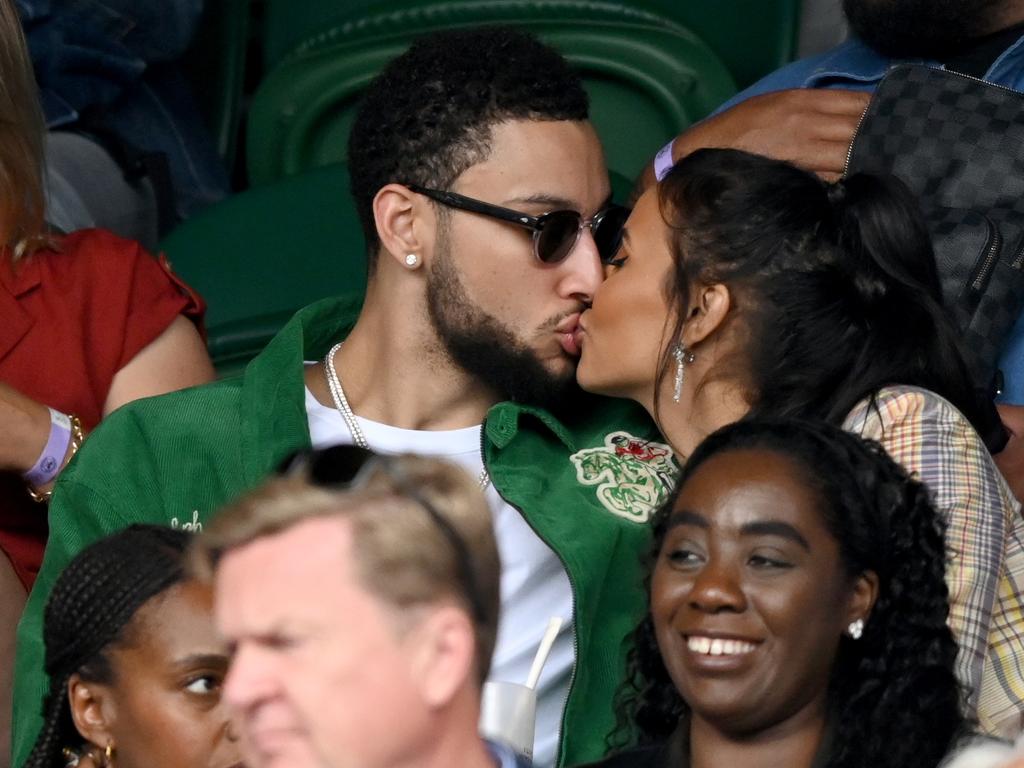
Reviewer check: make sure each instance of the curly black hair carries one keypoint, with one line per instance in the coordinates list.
(904, 664)
(90, 611)
(428, 115)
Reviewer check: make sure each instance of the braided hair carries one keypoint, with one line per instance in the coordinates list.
(90, 611)
(903, 664)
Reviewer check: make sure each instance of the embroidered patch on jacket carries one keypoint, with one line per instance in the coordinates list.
(194, 525)
(633, 476)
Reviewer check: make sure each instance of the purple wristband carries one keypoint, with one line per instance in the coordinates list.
(52, 458)
(663, 161)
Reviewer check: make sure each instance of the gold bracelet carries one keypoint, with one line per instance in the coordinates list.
(77, 438)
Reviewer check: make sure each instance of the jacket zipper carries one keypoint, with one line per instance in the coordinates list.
(864, 114)
(853, 139)
(995, 243)
(572, 589)
(979, 80)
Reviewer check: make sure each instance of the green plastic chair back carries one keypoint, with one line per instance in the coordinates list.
(648, 78)
(215, 67)
(752, 37)
(261, 255)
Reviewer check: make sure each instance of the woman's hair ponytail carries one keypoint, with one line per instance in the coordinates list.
(879, 225)
(882, 234)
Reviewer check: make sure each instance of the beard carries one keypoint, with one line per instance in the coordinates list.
(929, 29)
(487, 349)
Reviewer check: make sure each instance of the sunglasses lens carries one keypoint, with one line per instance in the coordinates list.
(335, 465)
(608, 232)
(557, 236)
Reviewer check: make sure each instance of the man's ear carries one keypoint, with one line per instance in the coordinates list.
(404, 224)
(709, 306)
(443, 654)
(92, 710)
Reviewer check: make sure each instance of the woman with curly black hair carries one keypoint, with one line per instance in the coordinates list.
(134, 661)
(747, 286)
(797, 611)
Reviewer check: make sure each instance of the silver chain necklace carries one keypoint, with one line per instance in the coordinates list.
(342, 406)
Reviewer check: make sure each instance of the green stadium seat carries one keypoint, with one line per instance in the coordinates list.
(752, 37)
(261, 255)
(647, 76)
(215, 67)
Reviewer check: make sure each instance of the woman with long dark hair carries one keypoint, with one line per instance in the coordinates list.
(134, 661)
(746, 286)
(797, 611)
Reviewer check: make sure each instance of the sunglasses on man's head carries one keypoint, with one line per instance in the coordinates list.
(344, 467)
(555, 234)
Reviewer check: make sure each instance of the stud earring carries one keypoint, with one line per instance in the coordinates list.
(856, 629)
(682, 357)
(412, 260)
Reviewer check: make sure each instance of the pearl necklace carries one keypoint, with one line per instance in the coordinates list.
(342, 406)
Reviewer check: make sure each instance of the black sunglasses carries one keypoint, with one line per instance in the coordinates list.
(555, 234)
(346, 466)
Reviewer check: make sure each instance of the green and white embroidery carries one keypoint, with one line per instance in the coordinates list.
(194, 525)
(633, 476)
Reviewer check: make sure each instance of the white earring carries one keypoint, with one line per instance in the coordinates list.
(412, 260)
(682, 358)
(856, 629)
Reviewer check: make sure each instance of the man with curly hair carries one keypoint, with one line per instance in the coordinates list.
(485, 204)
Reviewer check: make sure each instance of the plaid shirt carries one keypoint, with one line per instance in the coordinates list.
(985, 540)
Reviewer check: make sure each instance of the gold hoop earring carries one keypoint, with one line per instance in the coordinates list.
(108, 755)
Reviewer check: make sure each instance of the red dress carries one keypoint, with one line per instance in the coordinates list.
(70, 320)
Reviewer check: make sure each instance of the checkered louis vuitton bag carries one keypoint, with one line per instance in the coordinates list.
(958, 143)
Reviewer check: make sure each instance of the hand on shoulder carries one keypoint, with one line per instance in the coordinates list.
(812, 128)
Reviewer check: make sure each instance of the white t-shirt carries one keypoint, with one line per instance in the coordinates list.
(534, 584)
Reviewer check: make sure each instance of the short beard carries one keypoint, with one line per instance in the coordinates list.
(486, 349)
(931, 29)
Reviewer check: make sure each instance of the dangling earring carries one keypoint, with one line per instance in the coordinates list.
(412, 260)
(856, 629)
(682, 358)
(108, 755)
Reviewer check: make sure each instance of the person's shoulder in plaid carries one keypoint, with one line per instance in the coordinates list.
(984, 539)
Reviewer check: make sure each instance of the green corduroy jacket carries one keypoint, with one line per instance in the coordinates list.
(587, 482)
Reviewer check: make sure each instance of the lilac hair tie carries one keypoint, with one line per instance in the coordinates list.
(52, 458)
(663, 161)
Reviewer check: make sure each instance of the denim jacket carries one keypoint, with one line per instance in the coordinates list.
(116, 56)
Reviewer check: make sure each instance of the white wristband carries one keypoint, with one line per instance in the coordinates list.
(663, 161)
(52, 457)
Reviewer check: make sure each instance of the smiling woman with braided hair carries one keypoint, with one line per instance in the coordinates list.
(134, 662)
